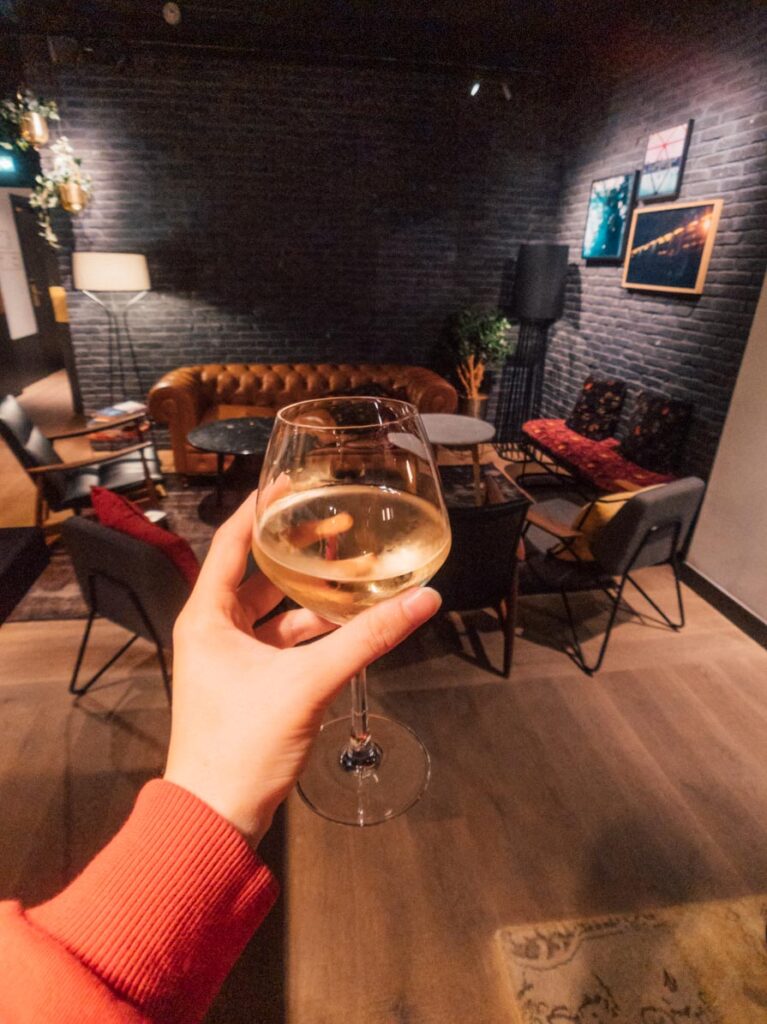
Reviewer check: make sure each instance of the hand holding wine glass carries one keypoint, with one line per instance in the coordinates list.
(247, 704)
(350, 512)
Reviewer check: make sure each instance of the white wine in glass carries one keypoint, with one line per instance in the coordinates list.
(350, 512)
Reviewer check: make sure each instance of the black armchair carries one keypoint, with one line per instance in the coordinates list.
(128, 582)
(650, 529)
(67, 485)
(481, 569)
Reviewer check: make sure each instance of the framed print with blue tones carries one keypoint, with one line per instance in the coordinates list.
(607, 219)
(664, 163)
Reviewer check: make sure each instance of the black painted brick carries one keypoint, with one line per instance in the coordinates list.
(319, 213)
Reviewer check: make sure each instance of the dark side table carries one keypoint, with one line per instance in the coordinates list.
(244, 437)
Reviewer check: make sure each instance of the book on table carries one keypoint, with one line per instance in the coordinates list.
(121, 437)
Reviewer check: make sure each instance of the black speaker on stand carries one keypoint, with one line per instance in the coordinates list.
(537, 301)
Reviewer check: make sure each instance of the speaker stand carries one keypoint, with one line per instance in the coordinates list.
(521, 387)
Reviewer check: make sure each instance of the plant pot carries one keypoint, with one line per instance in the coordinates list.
(476, 407)
(73, 196)
(33, 128)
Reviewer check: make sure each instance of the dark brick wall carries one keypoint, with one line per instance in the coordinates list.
(321, 213)
(293, 213)
(712, 70)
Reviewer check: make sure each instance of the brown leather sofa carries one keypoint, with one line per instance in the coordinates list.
(191, 395)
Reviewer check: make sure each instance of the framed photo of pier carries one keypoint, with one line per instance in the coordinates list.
(663, 164)
(607, 218)
(670, 245)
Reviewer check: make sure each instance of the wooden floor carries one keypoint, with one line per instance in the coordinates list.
(553, 795)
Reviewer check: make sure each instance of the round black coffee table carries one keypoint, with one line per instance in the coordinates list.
(244, 437)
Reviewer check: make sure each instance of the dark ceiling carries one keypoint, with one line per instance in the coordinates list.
(549, 37)
(481, 34)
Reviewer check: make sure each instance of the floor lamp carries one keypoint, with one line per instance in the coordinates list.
(94, 273)
(537, 301)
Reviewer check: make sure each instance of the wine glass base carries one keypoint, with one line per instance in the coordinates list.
(366, 796)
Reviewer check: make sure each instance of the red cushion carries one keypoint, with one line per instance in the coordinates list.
(598, 461)
(121, 514)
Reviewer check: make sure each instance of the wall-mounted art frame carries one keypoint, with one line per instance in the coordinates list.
(663, 165)
(670, 245)
(607, 217)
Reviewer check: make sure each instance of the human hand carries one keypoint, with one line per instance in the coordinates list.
(247, 704)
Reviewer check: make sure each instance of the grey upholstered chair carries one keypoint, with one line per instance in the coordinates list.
(128, 582)
(67, 485)
(650, 529)
(481, 569)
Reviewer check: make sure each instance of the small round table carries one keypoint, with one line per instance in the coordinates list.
(242, 437)
(460, 432)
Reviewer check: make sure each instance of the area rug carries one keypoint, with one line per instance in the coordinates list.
(701, 963)
(56, 594)
(192, 513)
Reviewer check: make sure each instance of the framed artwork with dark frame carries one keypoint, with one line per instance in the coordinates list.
(607, 218)
(661, 175)
(670, 245)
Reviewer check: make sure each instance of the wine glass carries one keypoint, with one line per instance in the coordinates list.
(349, 512)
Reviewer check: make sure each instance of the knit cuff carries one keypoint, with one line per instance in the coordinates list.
(164, 911)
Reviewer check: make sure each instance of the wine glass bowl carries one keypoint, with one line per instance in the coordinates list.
(349, 513)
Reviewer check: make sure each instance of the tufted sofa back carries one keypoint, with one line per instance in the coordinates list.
(188, 395)
(280, 384)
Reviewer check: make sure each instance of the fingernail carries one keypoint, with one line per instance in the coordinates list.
(421, 603)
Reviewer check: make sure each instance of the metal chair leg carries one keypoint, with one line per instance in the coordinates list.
(164, 670)
(78, 691)
(577, 655)
(509, 622)
(680, 603)
(148, 624)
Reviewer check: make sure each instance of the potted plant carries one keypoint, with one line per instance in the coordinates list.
(67, 186)
(478, 339)
(30, 116)
(73, 184)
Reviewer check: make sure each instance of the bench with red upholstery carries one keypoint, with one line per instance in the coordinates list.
(599, 462)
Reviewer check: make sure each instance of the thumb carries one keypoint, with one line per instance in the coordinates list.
(336, 657)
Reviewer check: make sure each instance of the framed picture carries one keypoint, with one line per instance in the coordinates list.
(663, 165)
(607, 218)
(670, 246)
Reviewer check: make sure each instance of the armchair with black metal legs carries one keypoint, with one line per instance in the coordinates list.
(650, 529)
(67, 485)
(481, 570)
(129, 582)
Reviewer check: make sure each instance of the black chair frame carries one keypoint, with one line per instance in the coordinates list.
(556, 470)
(615, 593)
(78, 691)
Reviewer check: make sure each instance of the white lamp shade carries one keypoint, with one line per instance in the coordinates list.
(110, 272)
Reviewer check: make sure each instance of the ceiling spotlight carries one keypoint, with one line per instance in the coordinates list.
(506, 91)
(171, 13)
(474, 88)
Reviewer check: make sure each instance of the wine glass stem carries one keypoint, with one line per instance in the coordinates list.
(360, 752)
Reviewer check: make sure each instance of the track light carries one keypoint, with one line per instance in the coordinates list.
(505, 90)
(474, 88)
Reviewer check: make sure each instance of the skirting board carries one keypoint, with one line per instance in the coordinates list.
(751, 624)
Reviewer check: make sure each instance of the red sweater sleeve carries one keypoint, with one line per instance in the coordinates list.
(148, 931)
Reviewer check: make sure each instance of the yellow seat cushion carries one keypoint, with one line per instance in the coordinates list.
(590, 520)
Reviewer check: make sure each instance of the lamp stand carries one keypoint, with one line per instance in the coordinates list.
(521, 387)
(117, 317)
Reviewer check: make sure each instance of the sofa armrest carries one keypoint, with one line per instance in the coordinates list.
(429, 392)
(179, 400)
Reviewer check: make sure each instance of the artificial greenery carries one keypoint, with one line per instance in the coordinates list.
(12, 112)
(477, 339)
(45, 196)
